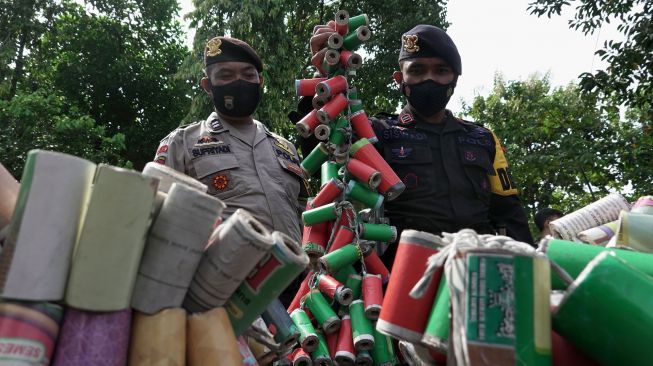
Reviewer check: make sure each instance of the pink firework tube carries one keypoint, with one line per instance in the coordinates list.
(372, 295)
(345, 354)
(303, 290)
(350, 60)
(334, 289)
(327, 88)
(364, 173)
(299, 357)
(391, 186)
(307, 125)
(322, 132)
(342, 22)
(374, 265)
(306, 87)
(329, 193)
(331, 110)
(362, 127)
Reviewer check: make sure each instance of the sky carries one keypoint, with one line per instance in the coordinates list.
(501, 36)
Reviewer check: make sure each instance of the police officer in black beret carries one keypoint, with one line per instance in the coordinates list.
(455, 171)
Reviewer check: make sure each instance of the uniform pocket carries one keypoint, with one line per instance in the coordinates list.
(221, 174)
(413, 163)
(476, 162)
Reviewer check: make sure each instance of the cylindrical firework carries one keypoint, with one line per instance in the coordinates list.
(350, 60)
(334, 261)
(303, 290)
(334, 289)
(329, 171)
(355, 105)
(620, 338)
(328, 193)
(334, 41)
(342, 22)
(415, 247)
(167, 175)
(299, 357)
(599, 235)
(158, 339)
(343, 274)
(306, 87)
(391, 186)
(355, 284)
(332, 343)
(314, 240)
(372, 295)
(318, 103)
(358, 20)
(635, 231)
(362, 328)
(321, 355)
(644, 205)
(344, 236)
(276, 315)
(307, 335)
(360, 192)
(339, 131)
(364, 358)
(378, 232)
(331, 60)
(597, 213)
(382, 352)
(320, 214)
(353, 40)
(210, 337)
(307, 124)
(324, 315)
(361, 125)
(330, 110)
(364, 173)
(315, 159)
(345, 352)
(330, 87)
(322, 132)
(436, 334)
(374, 265)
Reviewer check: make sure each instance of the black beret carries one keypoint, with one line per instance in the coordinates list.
(430, 41)
(223, 49)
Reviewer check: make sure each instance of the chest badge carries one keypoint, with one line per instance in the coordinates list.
(402, 152)
(470, 155)
(220, 182)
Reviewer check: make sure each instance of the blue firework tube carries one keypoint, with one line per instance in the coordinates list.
(315, 159)
(362, 328)
(320, 214)
(307, 334)
(276, 315)
(345, 256)
(364, 195)
(324, 315)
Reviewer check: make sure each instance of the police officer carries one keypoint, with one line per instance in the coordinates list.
(455, 171)
(237, 157)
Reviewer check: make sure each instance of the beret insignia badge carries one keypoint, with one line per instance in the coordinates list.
(213, 47)
(410, 43)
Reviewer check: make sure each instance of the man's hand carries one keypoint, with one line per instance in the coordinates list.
(318, 43)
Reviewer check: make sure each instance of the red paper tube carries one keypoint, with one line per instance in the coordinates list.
(345, 353)
(335, 289)
(306, 87)
(332, 343)
(362, 127)
(342, 22)
(391, 186)
(344, 233)
(414, 249)
(331, 110)
(350, 60)
(374, 265)
(327, 88)
(315, 239)
(364, 173)
(372, 295)
(307, 124)
(303, 290)
(299, 357)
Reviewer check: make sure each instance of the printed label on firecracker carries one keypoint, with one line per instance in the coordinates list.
(17, 349)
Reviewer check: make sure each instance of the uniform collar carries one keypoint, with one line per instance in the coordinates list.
(215, 124)
(451, 123)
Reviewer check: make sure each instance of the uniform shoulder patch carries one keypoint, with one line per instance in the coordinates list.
(405, 118)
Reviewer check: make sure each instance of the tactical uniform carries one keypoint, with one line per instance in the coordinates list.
(263, 178)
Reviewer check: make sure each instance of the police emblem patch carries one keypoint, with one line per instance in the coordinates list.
(470, 155)
(206, 139)
(402, 152)
(220, 182)
(213, 47)
(410, 43)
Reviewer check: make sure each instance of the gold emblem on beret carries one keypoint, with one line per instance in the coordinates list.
(213, 47)
(410, 43)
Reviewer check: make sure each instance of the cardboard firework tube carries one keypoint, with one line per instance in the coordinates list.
(329, 170)
(599, 235)
(643, 205)
(317, 104)
(266, 281)
(339, 131)
(355, 284)
(332, 343)
(358, 20)
(364, 358)
(344, 236)
(382, 352)
(364, 173)
(304, 288)
(321, 356)
(331, 62)
(343, 274)
(167, 176)
(328, 193)
(315, 159)
(360, 192)
(332, 108)
(29, 332)
(335, 85)
(159, 339)
(635, 231)
(362, 328)
(378, 232)
(299, 357)
(413, 251)
(342, 22)
(350, 60)
(345, 352)
(47, 216)
(354, 39)
(240, 244)
(332, 262)
(210, 337)
(322, 132)
(374, 265)
(334, 41)
(573, 257)
(621, 312)
(334, 289)
(315, 239)
(286, 332)
(391, 186)
(307, 124)
(320, 214)
(306, 87)
(324, 315)
(356, 105)
(307, 335)
(372, 295)
(361, 125)
(93, 338)
(8, 196)
(436, 334)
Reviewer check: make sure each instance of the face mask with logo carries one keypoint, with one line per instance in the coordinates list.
(236, 99)
(428, 97)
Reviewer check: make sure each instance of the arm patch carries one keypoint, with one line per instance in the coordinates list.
(501, 183)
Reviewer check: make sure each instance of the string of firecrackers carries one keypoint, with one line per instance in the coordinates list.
(342, 302)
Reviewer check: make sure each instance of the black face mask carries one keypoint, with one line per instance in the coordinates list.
(236, 99)
(429, 97)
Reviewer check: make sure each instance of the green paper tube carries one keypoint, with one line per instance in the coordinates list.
(314, 160)
(320, 214)
(337, 136)
(343, 274)
(436, 334)
(573, 257)
(362, 328)
(363, 358)
(378, 232)
(364, 195)
(358, 20)
(345, 256)
(324, 315)
(382, 351)
(321, 356)
(607, 312)
(355, 284)
(329, 171)
(354, 39)
(355, 105)
(352, 93)
(307, 334)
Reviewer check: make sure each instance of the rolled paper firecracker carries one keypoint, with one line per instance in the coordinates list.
(320, 214)
(573, 257)
(324, 315)
(332, 60)
(378, 232)
(436, 334)
(210, 337)
(361, 125)
(331, 87)
(364, 173)
(315, 159)
(355, 105)
(350, 60)
(372, 295)
(362, 328)
(321, 356)
(339, 132)
(332, 343)
(306, 87)
(344, 235)
(635, 231)
(286, 332)
(342, 22)
(28, 332)
(355, 284)
(360, 192)
(643, 205)
(364, 358)
(304, 288)
(299, 357)
(158, 339)
(334, 289)
(413, 251)
(167, 175)
(307, 124)
(239, 245)
(329, 170)
(391, 186)
(47, 217)
(335, 41)
(314, 240)
(599, 235)
(343, 274)
(374, 265)
(266, 281)
(335, 106)
(332, 262)
(328, 193)
(93, 338)
(353, 40)
(358, 20)
(624, 290)
(345, 352)
(318, 103)
(322, 132)
(382, 352)
(307, 335)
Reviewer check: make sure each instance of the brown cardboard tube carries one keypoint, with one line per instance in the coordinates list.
(211, 340)
(159, 339)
